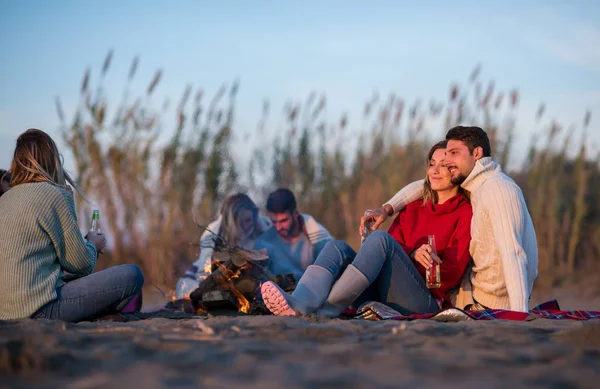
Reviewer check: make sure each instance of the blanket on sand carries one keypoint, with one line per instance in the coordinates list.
(374, 310)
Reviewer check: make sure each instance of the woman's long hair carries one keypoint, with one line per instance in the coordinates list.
(231, 229)
(37, 159)
(428, 193)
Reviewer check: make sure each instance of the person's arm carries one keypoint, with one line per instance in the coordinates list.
(396, 230)
(204, 262)
(74, 254)
(505, 207)
(408, 194)
(456, 256)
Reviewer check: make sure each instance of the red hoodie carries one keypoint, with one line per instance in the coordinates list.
(451, 224)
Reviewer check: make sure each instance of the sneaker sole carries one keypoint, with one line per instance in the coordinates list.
(275, 301)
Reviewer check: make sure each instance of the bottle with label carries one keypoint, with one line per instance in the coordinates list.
(432, 275)
(95, 227)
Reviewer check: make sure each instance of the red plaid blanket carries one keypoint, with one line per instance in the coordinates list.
(547, 310)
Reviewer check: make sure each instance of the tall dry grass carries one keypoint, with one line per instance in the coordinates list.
(149, 192)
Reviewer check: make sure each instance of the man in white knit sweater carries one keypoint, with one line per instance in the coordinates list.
(503, 242)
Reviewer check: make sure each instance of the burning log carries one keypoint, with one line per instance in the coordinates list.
(235, 281)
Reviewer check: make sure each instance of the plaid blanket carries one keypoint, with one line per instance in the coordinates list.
(374, 310)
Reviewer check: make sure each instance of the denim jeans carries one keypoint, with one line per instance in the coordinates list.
(101, 293)
(395, 281)
(335, 257)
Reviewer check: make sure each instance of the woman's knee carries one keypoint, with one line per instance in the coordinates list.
(132, 275)
(337, 245)
(379, 237)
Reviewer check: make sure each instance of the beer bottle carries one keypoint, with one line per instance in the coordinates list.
(94, 227)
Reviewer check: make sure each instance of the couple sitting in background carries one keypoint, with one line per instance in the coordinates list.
(292, 240)
(41, 241)
(389, 267)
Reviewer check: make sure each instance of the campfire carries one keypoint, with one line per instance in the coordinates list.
(235, 280)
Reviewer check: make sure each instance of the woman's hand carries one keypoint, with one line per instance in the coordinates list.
(425, 256)
(97, 240)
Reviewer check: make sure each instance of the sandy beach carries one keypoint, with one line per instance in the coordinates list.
(169, 349)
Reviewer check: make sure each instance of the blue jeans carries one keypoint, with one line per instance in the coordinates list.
(98, 294)
(394, 279)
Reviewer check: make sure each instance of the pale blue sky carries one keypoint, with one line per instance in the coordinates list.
(550, 50)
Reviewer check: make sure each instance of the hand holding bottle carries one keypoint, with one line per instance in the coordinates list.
(373, 218)
(97, 240)
(95, 234)
(425, 256)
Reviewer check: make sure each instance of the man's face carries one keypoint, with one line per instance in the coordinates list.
(284, 222)
(460, 161)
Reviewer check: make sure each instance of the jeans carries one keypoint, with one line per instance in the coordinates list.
(395, 281)
(98, 294)
(335, 257)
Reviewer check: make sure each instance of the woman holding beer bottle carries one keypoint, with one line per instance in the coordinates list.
(41, 241)
(391, 267)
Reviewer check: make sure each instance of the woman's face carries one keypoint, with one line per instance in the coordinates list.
(246, 221)
(438, 174)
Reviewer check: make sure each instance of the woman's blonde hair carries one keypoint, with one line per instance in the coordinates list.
(428, 193)
(37, 159)
(231, 230)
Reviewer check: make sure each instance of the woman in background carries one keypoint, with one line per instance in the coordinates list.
(41, 240)
(239, 224)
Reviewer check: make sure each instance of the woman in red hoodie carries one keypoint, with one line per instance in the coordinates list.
(390, 267)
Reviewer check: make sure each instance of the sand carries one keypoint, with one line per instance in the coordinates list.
(176, 350)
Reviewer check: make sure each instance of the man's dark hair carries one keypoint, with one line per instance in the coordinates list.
(281, 200)
(472, 137)
(4, 176)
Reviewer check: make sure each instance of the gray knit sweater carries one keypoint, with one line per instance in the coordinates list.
(39, 236)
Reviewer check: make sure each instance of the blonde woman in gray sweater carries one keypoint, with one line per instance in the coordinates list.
(41, 240)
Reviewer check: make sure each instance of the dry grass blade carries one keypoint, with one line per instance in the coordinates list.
(59, 110)
(107, 61)
(85, 82)
(154, 82)
(133, 68)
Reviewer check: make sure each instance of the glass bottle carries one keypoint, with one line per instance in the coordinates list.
(94, 227)
(368, 227)
(432, 275)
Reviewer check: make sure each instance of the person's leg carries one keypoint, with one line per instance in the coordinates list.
(335, 257)
(381, 260)
(398, 282)
(186, 285)
(314, 286)
(104, 292)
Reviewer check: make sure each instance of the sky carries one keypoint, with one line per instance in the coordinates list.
(282, 50)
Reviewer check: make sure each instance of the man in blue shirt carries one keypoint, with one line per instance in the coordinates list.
(295, 240)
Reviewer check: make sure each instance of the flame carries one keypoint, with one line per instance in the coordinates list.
(242, 302)
(171, 294)
(200, 310)
(226, 282)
